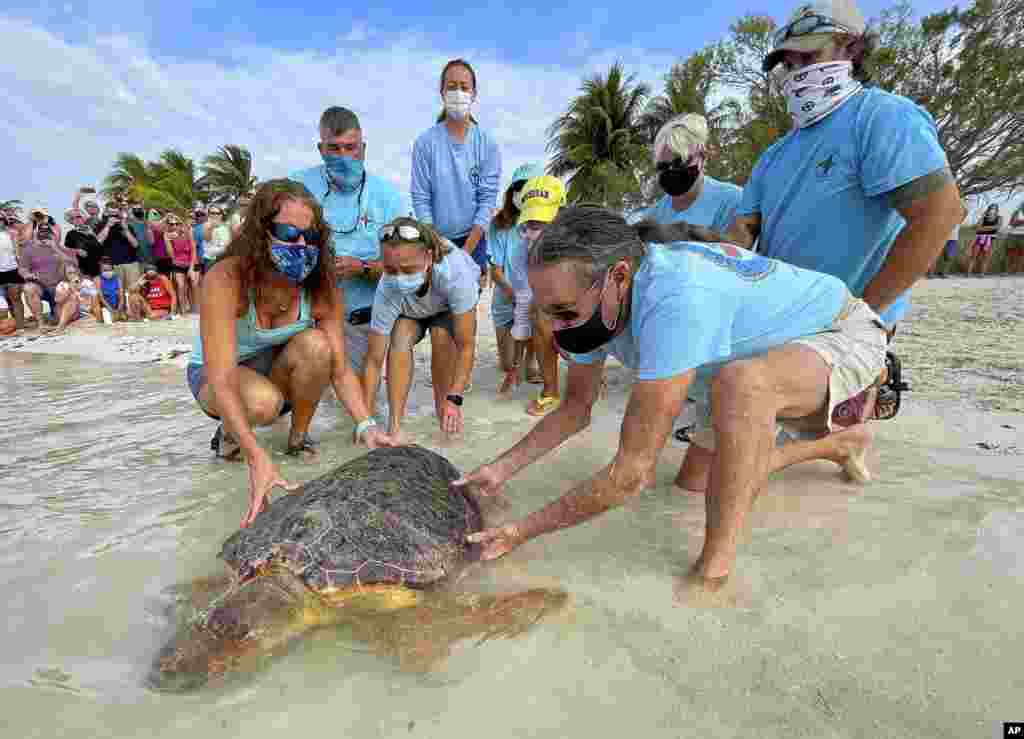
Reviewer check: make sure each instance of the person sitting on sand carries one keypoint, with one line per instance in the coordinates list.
(111, 295)
(790, 344)
(429, 285)
(41, 265)
(270, 337)
(984, 240)
(76, 298)
(511, 299)
(152, 297)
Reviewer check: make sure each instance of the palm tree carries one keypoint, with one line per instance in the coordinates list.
(227, 175)
(128, 175)
(173, 185)
(597, 142)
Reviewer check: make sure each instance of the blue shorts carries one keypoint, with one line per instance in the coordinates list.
(951, 248)
(263, 363)
(480, 254)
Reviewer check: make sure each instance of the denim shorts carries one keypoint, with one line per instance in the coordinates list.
(263, 362)
(480, 254)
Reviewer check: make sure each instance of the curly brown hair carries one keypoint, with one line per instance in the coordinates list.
(252, 245)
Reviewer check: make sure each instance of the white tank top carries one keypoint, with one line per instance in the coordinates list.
(8, 257)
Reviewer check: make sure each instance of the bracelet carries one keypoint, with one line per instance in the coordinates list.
(362, 426)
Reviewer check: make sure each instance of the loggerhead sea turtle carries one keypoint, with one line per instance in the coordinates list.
(368, 537)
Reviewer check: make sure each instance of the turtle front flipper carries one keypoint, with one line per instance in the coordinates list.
(245, 626)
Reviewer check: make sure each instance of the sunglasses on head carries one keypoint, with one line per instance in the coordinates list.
(400, 233)
(290, 234)
(805, 25)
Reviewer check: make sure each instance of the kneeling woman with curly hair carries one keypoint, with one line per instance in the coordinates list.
(270, 335)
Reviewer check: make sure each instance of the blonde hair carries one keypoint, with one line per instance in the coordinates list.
(686, 135)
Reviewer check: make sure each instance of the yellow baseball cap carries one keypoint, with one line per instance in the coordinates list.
(542, 197)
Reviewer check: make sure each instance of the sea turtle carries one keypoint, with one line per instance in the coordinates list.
(369, 537)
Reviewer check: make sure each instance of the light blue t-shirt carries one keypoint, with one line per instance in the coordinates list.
(454, 286)
(715, 208)
(197, 236)
(454, 186)
(821, 190)
(508, 253)
(700, 305)
(361, 214)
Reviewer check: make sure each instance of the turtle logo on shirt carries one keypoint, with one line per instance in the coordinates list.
(825, 165)
(746, 264)
(474, 176)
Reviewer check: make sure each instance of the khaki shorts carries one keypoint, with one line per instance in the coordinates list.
(854, 349)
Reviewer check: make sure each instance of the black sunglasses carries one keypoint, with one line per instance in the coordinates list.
(676, 163)
(290, 234)
(805, 25)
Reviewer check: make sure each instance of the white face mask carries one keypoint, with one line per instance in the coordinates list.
(815, 91)
(457, 103)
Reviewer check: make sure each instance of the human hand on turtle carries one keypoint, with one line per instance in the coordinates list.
(497, 541)
(375, 437)
(484, 484)
(263, 477)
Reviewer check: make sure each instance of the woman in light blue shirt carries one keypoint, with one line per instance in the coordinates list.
(508, 271)
(456, 167)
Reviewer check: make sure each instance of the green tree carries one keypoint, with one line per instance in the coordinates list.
(762, 117)
(127, 177)
(8, 205)
(597, 143)
(966, 68)
(227, 175)
(171, 184)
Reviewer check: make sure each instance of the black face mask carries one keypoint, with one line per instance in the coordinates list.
(590, 335)
(677, 180)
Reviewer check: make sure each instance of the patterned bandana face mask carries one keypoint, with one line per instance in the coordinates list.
(294, 261)
(813, 92)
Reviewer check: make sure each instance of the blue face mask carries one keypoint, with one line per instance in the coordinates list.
(345, 172)
(294, 261)
(407, 284)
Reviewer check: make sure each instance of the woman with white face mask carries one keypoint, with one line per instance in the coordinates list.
(428, 286)
(456, 167)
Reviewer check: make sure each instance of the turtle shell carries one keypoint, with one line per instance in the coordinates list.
(389, 516)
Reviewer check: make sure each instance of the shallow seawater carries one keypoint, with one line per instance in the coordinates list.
(890, 610)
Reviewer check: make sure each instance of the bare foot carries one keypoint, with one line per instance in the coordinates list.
(852, 446)
(509, 383)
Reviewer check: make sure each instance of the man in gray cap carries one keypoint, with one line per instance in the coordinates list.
(859, 189)
(356, 204)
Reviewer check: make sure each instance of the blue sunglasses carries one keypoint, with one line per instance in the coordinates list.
(289, 234)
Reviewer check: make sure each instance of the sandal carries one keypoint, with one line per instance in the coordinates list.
(684, 434)
(225, 445)
(304, 446)
(542, 404)
(887, 389)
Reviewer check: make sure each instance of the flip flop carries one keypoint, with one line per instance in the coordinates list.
(542, 404)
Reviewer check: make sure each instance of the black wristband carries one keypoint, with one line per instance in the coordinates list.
(454, 399)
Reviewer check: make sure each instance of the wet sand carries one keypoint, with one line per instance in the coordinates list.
(885, 610)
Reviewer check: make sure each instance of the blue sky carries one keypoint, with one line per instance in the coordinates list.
(86, 80)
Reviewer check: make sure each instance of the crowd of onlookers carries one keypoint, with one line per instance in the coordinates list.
(117, 261)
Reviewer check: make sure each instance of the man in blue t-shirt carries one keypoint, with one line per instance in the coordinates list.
(356, 204)
(788, 344)
(859, 189)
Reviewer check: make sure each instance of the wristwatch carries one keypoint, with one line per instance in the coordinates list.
(454, 399)
(366, 267)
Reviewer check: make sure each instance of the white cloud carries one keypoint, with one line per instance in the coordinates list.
(69, 108)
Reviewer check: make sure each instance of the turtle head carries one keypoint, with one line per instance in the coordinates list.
(242, 629)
